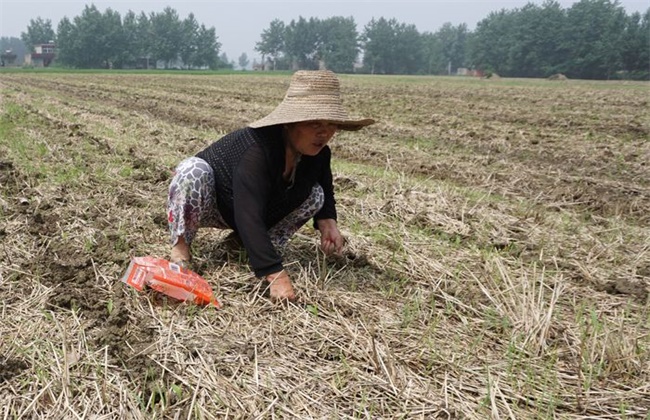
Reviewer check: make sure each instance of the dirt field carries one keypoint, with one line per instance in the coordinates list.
(497, 265)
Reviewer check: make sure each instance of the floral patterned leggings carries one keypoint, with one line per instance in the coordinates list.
(191, 205)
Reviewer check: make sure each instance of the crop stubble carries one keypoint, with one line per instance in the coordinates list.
(497, 258)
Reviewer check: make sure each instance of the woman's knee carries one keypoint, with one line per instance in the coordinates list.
(193, 168)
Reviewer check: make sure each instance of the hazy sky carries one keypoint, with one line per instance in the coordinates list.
(239, 24)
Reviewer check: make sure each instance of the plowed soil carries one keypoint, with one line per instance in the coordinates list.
(498, 257)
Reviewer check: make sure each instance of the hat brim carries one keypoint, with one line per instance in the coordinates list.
(294, 110)
(347, 125)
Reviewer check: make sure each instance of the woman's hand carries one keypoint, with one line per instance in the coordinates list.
(280, 287)
(331, 240)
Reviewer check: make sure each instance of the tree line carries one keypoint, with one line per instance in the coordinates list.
(97, 39)
(592, 39)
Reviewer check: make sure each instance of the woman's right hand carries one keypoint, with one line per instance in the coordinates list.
(280, 287)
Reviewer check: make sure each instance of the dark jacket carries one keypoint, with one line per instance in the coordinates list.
(251, 193)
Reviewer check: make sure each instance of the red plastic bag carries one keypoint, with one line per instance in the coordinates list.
(170, 279)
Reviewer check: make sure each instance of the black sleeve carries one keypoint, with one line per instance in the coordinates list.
(325, 180)
(252, 185)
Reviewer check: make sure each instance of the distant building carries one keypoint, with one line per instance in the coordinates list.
(8, 59)
(462, 71)
(42, 56)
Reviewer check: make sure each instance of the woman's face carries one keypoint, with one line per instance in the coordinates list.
(309, 137)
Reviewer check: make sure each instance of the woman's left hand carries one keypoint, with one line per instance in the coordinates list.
(331, 240)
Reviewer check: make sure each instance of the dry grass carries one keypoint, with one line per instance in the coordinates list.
(497, 263)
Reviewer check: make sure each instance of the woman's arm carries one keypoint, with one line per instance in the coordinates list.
(331, 240)
(251, 190)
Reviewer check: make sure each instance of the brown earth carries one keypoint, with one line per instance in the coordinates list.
(555, 177)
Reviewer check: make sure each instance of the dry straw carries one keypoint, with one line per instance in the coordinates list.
(467, 289)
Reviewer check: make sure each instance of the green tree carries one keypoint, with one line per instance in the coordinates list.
(144, 40)
(643, 67)
(67, 50)
(492, 42)
(433, 59)
(188, 46)
(137, 39)
(302, 43)
(224, 62)
(536, 45)
(392, 48)
(131, 42)
(635, 54)
(548, 23)
(272, 43)
(243, 61)
(96, 39)
(593, 35)
(81, 41)
(39, 31)
(89, 49)
(452, 41)
(111, 39)
(379, 42)
(166, 36)
(339, 44)
(594, 39)
(408, 51)
(207, 48)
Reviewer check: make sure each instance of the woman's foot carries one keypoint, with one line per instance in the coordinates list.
(180, 253)
(280, 287)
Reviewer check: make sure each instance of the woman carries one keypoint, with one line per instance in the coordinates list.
(267, 180)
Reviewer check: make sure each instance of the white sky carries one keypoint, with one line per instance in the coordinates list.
(239, 24)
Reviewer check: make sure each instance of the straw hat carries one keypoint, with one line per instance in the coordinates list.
(313, 95)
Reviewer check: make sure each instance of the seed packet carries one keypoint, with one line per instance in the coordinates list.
(170, 279)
